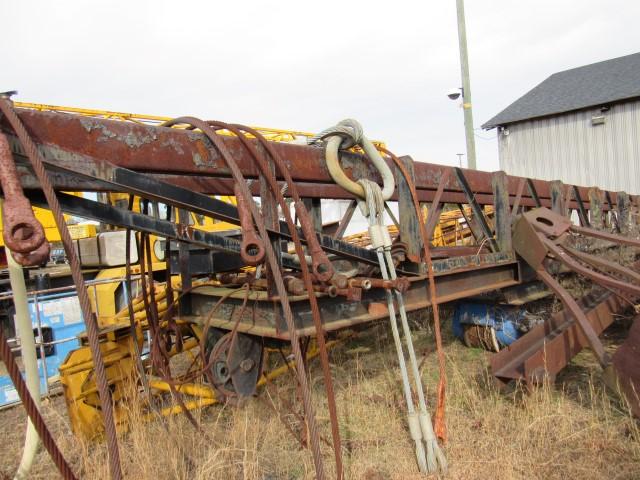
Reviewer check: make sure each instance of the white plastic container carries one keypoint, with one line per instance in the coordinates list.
(108, 249)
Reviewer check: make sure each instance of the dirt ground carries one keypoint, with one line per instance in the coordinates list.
(573, 429)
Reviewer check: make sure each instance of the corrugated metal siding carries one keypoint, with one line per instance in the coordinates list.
(569, 148)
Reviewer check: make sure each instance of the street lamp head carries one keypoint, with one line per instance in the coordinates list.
(454, 93)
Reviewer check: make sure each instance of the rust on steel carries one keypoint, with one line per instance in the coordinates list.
(321, 266)
(581, 319)
(532, 235)
(78, 147)
(541, 236)
(455, 280)
(551, 345)
(251, 247)
(37, 162)
(187, 155)
(604, 264)
(564, 256)
(22, 232)
(242, 189)
(626, 364)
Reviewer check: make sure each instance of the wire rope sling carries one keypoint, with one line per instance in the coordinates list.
(371, 200)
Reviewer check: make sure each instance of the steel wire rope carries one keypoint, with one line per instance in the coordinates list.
(174, 382)
(372, 204)
(207, 321)
(170, 323)
(289, 407)
(24, 330)
(435, 458)
(132, 321)
(134, 335)
(90, 319)
(306, 274)
(277, 277)
(374, 210)
(32, 410)
(322, 268)
(158, 350)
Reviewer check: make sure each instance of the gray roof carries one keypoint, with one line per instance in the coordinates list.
(592, 85)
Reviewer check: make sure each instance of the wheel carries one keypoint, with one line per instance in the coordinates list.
(220, 371)
(236, 365)
(213, 335)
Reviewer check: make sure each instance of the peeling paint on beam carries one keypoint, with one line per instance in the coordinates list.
(68, 138)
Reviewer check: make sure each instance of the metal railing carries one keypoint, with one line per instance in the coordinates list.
(41, 345)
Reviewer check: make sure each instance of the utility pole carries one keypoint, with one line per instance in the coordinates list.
(466, 88)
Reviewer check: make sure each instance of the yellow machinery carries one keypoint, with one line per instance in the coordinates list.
(452, 229)
(272, 134)
(77, 378)
(121, 351)
(109, 294)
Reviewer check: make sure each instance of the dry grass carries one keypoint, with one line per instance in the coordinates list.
(558, 432)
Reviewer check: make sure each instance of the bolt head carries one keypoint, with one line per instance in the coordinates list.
(247, 364)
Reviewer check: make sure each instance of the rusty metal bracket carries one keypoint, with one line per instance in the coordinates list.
(549, 346)
(626, 365)
(476, 208)
(251, 246)
(531, 242)
(22, 232)
(571, 305)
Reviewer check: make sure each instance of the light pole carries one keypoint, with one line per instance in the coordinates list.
(466, 87)
(460, 155)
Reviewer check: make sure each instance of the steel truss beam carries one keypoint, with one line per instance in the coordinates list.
(187, 159)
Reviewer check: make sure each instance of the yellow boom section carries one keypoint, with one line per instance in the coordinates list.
(272, 134)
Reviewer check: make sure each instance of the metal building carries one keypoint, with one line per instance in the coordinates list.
(580, 126)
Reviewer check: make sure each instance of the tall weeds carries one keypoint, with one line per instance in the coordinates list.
(575, 429)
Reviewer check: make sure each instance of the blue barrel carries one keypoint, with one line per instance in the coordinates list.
(504, 320)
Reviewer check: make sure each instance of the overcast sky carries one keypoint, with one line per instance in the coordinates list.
(306, 65)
